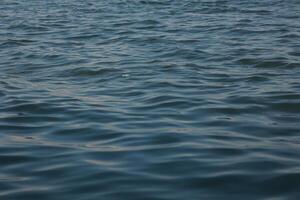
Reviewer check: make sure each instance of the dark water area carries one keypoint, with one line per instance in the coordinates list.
(149, 99)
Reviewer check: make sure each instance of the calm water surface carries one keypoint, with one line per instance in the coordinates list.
(149, 99)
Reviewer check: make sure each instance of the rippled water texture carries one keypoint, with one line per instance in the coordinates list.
(149, 99)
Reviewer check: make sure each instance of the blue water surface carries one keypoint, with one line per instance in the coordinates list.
(149, 99)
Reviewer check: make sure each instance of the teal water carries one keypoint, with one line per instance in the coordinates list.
(148, 99)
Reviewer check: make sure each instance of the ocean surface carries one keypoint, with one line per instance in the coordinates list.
(149, 99)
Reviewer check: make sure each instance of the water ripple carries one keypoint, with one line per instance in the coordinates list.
(148, 99)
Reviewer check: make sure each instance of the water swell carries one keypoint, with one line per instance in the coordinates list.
(149, 99)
